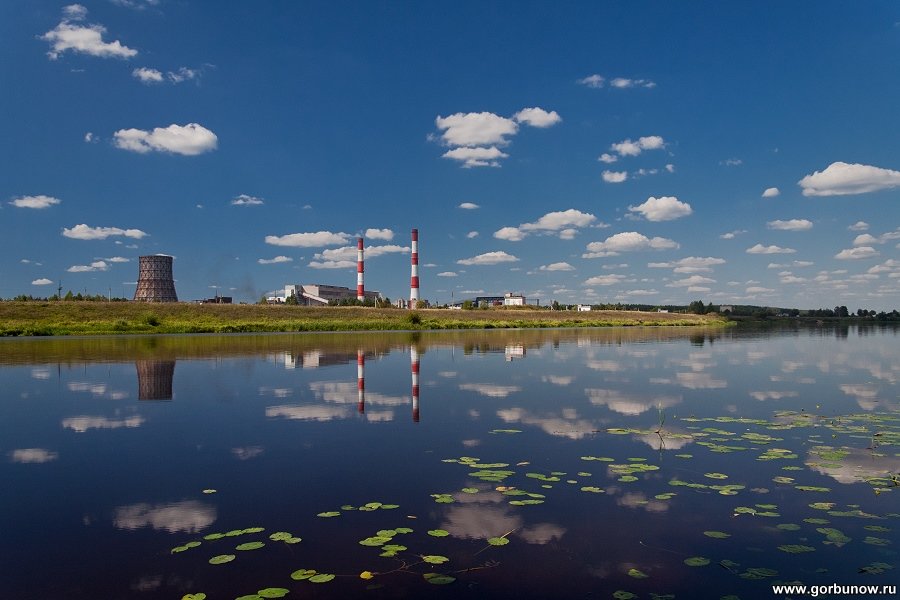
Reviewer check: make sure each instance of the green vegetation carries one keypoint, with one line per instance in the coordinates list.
(102, 318)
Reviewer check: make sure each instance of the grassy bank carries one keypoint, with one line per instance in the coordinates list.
(99, 318)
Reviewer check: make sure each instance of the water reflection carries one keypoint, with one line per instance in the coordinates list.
(189, 516)
(155, 379)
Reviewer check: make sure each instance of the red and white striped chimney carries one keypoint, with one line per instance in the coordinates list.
(361, 381)
(414, 361)
(414, 274)
(360, 290)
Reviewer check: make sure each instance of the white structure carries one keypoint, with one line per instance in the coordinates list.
(319, 295)
(510, 299)
(584, 308)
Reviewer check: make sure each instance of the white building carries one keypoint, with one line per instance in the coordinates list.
(510, 299)
(584, 308)
(318, 294)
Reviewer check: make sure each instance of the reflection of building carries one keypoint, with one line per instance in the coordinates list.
(514, 351)
(414, 361)
(360, 381)
(155, 379)
(314, 359)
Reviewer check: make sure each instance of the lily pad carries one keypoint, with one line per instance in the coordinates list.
(197, 596)
(213, 536)
(439, 533)
(637, 574)
(301, 574)
(719, 535)
(498, 541)
(796, 548)
(221, 559)
(696, 561)
(623, 595)
(250, 546)
(331, 513)
(274, 592)
(280, 536)
(434, 559)
(438, 579)
(321, 578)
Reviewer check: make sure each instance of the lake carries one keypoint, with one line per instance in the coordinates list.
(589, 463)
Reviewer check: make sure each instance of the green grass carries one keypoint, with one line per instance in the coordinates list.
(99, 318)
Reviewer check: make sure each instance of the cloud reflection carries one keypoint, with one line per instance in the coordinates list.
(566, 425)
(247, 452)
(308, 413)
(32, 455)
(631, 405)
(189, 516)
(490, 390)
(84, 423)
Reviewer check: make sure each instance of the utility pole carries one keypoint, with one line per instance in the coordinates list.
(59, 291)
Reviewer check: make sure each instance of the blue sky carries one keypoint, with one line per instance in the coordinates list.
(650, 152)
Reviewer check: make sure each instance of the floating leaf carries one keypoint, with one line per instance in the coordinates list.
(366, 575)
(637, 574)
(433, 559)
(280, 536)
(788, 526)
(321, 578)
(301, 574)
(197, 596)
(719, 535)
(438, 579)
(235, 532)
(716, 475)
(796, 548)
(332, 513)
(293, 540)
(623, 595)
(213, 536)
(274, 592)
(209, 491)
(253, 530)
(876, 541)
(250, 597)
(389, 506)
(592, 489)
(696, 561)
(439, 533)
(470, 490)
(498, 541)
(249, 546)
(404, 530)
(177, 549)
(221, 559)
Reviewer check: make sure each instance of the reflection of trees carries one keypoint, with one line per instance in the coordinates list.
(155, 379)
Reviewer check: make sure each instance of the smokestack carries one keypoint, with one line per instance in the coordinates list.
(414, 361)
(360, 290)
(361, 381)
(414, 274)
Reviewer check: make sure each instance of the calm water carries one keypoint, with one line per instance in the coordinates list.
(619, 455)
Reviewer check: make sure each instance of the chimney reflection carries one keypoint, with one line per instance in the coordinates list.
(155, 379)
(361, 381)
(414, 361)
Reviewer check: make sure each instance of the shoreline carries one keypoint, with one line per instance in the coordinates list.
(38, 319)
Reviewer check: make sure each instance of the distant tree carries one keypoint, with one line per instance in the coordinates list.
(468, 305)
(841, 311)
(69, 296)
(697, 307)
(555, 305)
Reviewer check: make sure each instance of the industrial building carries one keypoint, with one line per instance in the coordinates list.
(155, 282)
(320, 294)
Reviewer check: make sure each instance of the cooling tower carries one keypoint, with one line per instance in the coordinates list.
(155, 283)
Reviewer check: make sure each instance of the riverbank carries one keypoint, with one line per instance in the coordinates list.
(107, 318)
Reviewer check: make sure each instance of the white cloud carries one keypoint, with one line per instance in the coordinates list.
(693, 280)
(468, 206)
(633, 148)
(275, 261)
(136, 4)
(691, 264)
(97, 265)
(476, 157)
(790, 225)
(308, 240)
(593, 81)
(639, 293)
(557, 266)
(841, 179)
(488, 258)
(563, 222)
(379, 234)
(89, 137)
(758, 290)
(537, 117)
(732, 234)
(623, 83)
(859, 226)
(37, 202)
(41, 281)
(760, 249)
(771, 192)
(85, 39)
(182, 74)
(447, 274)
(628, 241)
(608, 158)
(85, 232)
(604, 280)
(117, 259)
(345, 257)
(510, 234)
(472, 234)
(665, 208)
(614, 176)
(188, 140)
(866, 239)
(857, 253)
(731, 162)
(147, 75)
(245, 200)
(476, 129)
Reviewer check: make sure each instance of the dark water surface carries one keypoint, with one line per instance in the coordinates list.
(607, 462)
